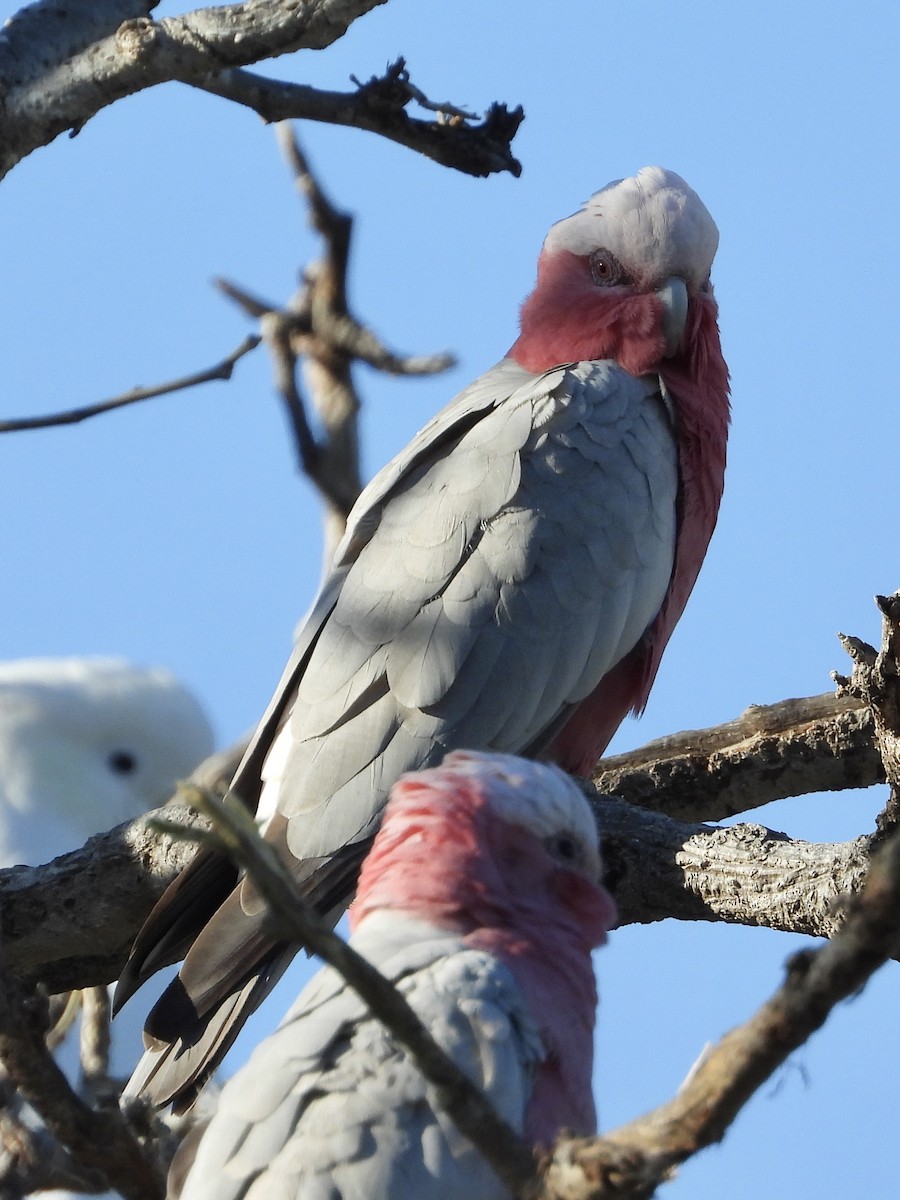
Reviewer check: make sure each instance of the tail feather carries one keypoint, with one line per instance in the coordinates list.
(228, 971)
(176, 1072)
(175, 921)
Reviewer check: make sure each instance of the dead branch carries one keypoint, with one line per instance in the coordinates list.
(94, 1042)
(875, 682)
(62, 64)
(72, 416)
(817, 744)
(379, 106)
(70, 924)
(630, 1162)
(743, 874)
(98, 1139)
(317, 327)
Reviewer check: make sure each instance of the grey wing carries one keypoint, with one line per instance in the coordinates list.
(431, 442)
(330, 1107)
(499, 584)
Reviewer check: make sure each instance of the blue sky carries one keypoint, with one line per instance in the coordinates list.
(179, 532)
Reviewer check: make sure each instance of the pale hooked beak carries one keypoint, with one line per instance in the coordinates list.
(674, 297)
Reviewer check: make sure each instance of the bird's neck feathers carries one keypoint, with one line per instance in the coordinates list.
(568, 318)
(696, 380)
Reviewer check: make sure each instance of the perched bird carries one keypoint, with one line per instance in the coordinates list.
(491, 945)
(86, 743)
(507, 583)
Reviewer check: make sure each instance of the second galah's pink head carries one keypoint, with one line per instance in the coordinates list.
(489, 841)
(619, 278)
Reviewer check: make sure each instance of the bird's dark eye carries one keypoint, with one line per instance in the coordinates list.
(566, 847)
(122, 762)
(606, 269)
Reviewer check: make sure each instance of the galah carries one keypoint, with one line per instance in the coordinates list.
(491, 945)
(86, 743)
(508, 583)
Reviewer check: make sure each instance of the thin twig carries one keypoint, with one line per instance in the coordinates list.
(95, 1041)
(221, 371)
(236, 834)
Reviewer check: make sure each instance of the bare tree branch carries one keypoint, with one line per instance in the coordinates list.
(317, 327)
(94, 1042)
(379, 106)
(99, 1139)
(71, 923)
(874, 682)
(743, 874)
(817, 744)
(222, 370)
(61, 64)
(630, 1162)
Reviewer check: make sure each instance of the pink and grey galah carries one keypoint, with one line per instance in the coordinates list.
(508, 583)
(491, 945)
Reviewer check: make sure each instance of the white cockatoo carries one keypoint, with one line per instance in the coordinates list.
(85, 744)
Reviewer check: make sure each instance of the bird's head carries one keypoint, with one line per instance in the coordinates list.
(488, 839)
(86, 743)
(618, 278)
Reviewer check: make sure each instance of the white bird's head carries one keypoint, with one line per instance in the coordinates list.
(86, 744)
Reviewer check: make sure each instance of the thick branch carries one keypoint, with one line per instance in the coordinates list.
(744, 874)
(72, 922)
(876, 682)
(58, 74)
(630, 1162)
(817, 744)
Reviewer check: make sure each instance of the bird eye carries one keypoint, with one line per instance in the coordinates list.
(606, 269)
(566, 847)
(122, 762)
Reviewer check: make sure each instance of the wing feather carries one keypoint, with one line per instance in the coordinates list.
(329, 1106)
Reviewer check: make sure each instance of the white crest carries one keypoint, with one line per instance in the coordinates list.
(654, 223)
(538, 796)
